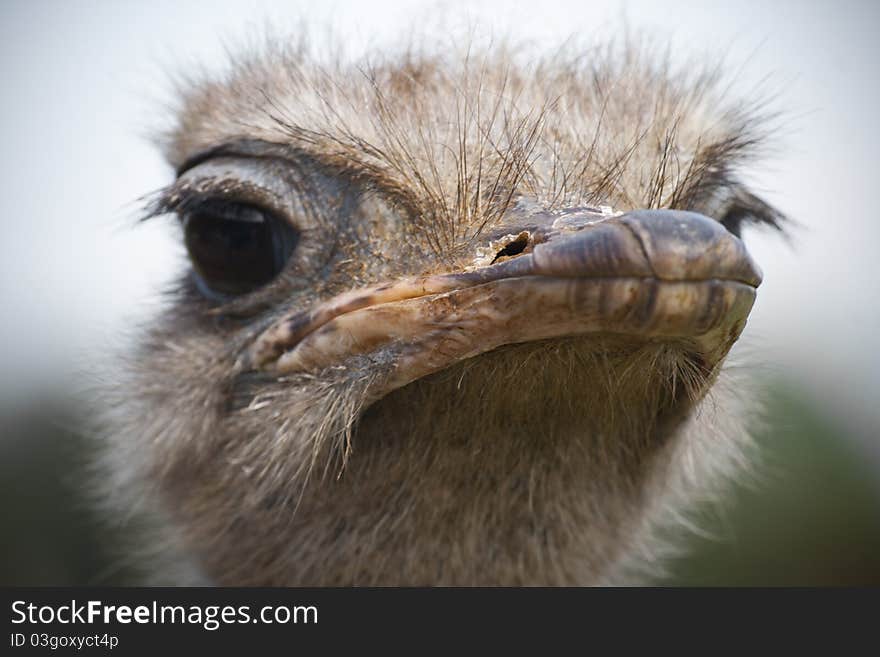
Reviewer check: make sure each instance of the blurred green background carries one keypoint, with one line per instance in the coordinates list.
(811, 516)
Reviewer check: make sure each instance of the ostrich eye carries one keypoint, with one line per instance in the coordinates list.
(733, 220)
(236, 248)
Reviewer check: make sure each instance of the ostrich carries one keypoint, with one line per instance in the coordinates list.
(449, 318)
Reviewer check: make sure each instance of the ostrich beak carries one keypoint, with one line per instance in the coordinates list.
(654, 274)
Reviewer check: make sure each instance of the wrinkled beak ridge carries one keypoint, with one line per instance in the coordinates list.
(667, 245)
(658, 274)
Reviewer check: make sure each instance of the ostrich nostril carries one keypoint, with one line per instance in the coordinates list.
(515, 247)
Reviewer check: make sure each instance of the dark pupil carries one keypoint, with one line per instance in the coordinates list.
(235, 249)
(733, 220)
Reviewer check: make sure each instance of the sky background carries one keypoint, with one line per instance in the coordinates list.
(84, 82)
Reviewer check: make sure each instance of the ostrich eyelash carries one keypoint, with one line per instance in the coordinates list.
(735, 206)
(186, 195)
(173, 198)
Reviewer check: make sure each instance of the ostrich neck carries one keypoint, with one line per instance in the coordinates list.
(463, 478)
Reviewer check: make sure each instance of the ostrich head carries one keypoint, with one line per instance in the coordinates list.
(448, 319)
